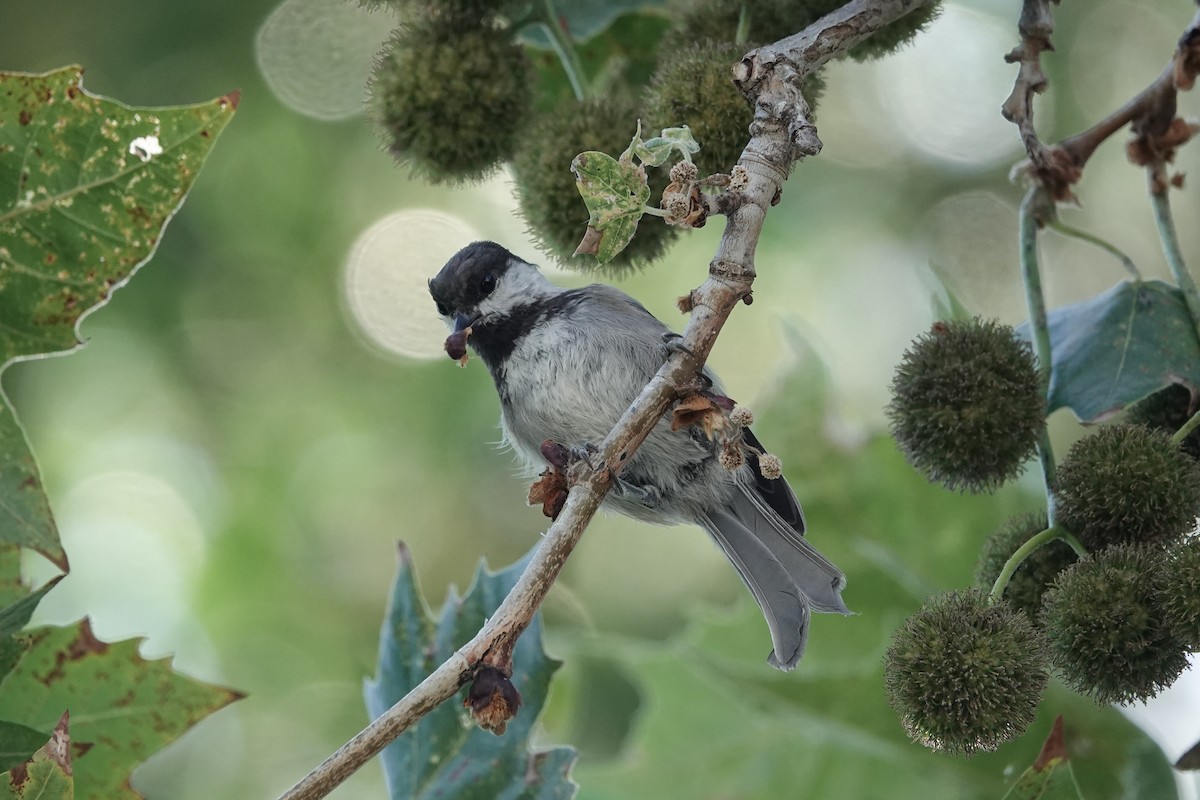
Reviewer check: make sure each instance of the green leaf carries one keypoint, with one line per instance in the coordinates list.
(586, 18)
(443, 755)
(615, 193)
(125, 707)
(655, 151)
(87, 185)
(14, 617)
(1120, 346)
(18, 743)
(625, 54)
(45, 776)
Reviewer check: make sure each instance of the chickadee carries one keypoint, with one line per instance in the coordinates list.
(568, 362)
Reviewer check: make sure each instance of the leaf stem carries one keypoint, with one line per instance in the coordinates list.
(1038, 325)
(1082, 235)
(1189, 426)
(1017, 558)
(743, 25)
(564, 48)
(1170, 242)
(1024, 551)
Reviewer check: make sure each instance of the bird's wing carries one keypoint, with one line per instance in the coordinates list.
(775, 492)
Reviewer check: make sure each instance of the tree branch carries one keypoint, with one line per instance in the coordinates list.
(781, 134)
(1152, 110)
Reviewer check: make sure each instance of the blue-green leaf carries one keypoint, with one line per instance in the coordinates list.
(1116, 348)
(445, 755)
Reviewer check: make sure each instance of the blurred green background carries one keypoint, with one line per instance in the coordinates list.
(235, 453)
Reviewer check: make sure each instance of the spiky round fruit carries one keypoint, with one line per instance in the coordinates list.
(1127, 483)
(694, 87)
(967, 407)
(551, 204)
(966, 674)
(1035, 574)
(451, 96)
(1181, 591)
(1108, 631)
(1166, 410)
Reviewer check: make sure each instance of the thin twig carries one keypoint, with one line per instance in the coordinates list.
(564, 48)
(1170, 243)
(781, 134)
(1059, 167)
(1035, 26)
(1186, 429)
(1077, 233)
(1016, 559)
(1033, 211)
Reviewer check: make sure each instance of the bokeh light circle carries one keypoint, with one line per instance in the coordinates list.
(385, 278)
(943, 93)
(316, 55)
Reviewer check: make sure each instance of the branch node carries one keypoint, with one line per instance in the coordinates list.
(731, 271)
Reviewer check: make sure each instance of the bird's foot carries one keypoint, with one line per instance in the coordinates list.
(648, 496)
(673, 343)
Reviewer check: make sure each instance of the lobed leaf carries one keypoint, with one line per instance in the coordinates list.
(125, 707)
(1116, 348)
(87, 185)
(442, 755)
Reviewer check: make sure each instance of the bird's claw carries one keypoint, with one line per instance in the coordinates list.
(673, 343)
(648, 496)
(583, 453)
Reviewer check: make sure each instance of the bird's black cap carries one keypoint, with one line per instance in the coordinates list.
(464, 282)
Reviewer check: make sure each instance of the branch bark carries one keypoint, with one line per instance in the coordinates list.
(781, 134)
(1151, 111)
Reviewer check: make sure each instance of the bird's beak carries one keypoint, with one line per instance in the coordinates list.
(462, 321)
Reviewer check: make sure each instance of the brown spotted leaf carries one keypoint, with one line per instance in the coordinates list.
(47, 775)
(86, 186)
(124, 707)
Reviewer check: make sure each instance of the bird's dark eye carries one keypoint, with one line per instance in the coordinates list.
(445, 312)
(488, 284)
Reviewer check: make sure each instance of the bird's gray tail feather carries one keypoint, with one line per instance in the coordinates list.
(786, 574)
(783, 604)
(819, 580)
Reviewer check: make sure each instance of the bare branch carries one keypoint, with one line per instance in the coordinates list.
(1151, 112)
(781, 134)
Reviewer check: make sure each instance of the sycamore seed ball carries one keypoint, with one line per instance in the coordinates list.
(1181, 592)
(1127, 483)
(967, 406)
(1108, 631)
(964, 674)
(451, 96)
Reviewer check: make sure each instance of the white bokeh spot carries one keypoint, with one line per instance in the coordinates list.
(316, 55)
(386, 276)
